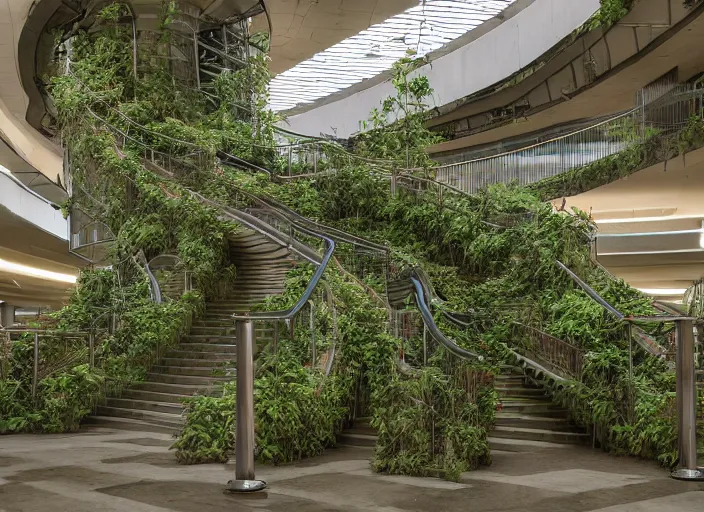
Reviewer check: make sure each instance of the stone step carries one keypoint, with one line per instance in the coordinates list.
(117, 423)
(507, 392)
(145, 405)
(208, 364)
(350, 439)
(153, 396)
(538, 408)
(520, 445)
(533, 434)
(175, 388)
(158, 418)
(509, 379)
(209, 344)
(214, 357)
(508, 419)
(194, 381)
(226, 330)
(195, 371)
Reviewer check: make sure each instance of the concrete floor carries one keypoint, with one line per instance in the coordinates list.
(107, 470)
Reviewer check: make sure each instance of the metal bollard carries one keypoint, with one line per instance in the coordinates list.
(35, 370)
(244, 445)
(686, 404)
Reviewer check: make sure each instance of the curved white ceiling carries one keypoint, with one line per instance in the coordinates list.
(424, 28)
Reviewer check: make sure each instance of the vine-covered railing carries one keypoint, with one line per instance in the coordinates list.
(52, 351)
(647, 342)
(561, 357)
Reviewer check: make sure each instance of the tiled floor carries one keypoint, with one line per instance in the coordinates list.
(120, 471)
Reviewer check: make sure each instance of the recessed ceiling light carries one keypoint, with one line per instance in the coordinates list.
(36, 272)
(663, 291)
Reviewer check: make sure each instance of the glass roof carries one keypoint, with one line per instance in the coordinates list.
(424, 28)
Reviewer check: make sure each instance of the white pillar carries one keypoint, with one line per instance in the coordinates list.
(7, 314)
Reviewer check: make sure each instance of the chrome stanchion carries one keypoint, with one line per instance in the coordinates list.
(244, 445)
(686, 404)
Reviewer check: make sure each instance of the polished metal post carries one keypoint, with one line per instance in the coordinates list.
(91, 350)
(686, 404)
(244, 443)
(35, 370)
(312, 335)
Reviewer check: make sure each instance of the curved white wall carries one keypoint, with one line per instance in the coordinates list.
(32, 146)
(31, 207)
(499, 53)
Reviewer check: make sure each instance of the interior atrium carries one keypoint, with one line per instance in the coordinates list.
(351, 255)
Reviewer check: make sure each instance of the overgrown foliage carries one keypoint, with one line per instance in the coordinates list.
(657, 148)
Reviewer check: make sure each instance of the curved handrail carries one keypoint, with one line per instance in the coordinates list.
(291, 312)
(542, 143)
(154, 288)
(591, 292)
(641, 337)
(295, 217)
(433, 329)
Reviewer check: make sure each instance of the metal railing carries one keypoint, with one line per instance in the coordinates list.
(68, 349)
(546, 159)
(661, 111)
(634, 333)
(561, 357)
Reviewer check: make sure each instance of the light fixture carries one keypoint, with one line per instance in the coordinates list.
(39, 273)
(663, 291)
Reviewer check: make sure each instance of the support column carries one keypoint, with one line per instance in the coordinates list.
(686, 404)
(244, 444)
(7, 315)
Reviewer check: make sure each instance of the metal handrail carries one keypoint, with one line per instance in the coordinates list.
(543, 143)
(642, 338)
(419, 277)
(591, 292)
(154, 288)
(432, 327)
(291, 312)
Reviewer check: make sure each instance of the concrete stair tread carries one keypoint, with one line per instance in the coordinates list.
(504, 443)
(200, 381)
(521, 416)
(157, 394)
(197, 369)
(171, 418)
(169, 386)
(210, 337)
(535, 430)
(132, 424)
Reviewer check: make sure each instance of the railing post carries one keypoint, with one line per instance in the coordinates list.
(686, 404)
(35, 369)
(312, 335)
(91, 350)
(244, 445)
(425, 345)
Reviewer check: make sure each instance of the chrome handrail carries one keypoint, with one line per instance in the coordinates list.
(641, 337)
(154, 288)
(291, 312)
(434, 330)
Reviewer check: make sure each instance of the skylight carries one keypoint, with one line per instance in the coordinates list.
(424, 28)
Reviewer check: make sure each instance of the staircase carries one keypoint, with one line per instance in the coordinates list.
(527, 418)
(206, 357)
